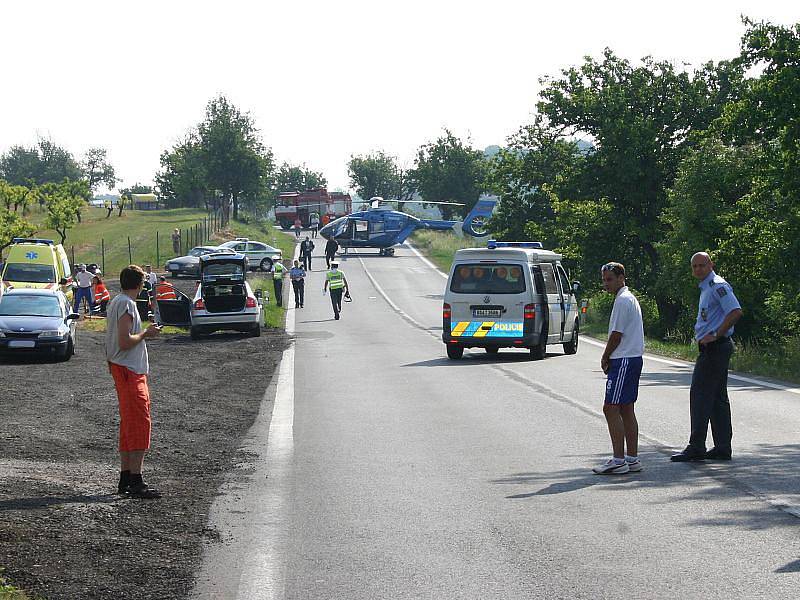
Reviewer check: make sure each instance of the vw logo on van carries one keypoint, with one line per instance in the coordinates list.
(486, 299)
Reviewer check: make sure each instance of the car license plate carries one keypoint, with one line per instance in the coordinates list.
(486, 312)
(21, 344)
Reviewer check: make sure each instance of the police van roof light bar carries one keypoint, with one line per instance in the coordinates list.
(492, 244)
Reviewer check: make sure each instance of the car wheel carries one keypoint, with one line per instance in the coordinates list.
(286, 225)
(65, 354)
(539, 351)
(173, 274)
(492, 350)
(194, 333)
(266, 264)
(455, 352)
(571, 347)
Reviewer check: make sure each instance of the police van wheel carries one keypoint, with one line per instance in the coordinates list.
(492, 350)
(266, 264)
(539, 351)
(571, 347)
(455, 352)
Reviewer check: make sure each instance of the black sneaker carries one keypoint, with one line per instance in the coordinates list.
(142, 490)
(688, 455)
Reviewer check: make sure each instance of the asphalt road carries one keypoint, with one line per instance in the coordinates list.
(388, 471)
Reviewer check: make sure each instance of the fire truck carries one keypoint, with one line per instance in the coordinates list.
(300, 205)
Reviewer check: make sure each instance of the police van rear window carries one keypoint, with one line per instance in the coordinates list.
(487, 279)
(30, 273)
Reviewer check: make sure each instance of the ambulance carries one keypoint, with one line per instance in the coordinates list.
(37, 263)
(509, 295)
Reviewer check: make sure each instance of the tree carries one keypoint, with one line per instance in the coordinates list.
(63, 202)
(97, 170)
(449, 170)
(236, 161)
(290, 178)
(373, 175)
(45, 162)
(13, 225)
(182, 179)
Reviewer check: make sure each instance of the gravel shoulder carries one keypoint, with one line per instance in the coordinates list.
(65, 533)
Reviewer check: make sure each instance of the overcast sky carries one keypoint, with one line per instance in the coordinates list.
(322, 79)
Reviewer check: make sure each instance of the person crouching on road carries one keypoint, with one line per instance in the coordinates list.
(298, 276)
(278, 271)
(622, 363)
(101, 294)
(128, 364)
(337, 282)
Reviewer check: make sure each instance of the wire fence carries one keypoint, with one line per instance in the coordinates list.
(152, 249)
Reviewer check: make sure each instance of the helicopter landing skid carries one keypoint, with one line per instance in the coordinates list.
(386, 252)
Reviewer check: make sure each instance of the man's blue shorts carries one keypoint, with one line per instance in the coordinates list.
(622, 386)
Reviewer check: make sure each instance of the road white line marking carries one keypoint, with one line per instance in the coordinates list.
(686, 364)
(263, 576)
(425, 260)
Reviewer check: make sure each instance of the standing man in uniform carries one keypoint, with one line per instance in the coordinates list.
(128, 364)
(338, 285)
(330, 251)
(314, 224)
(622, 363)
(278, 271)
(298, 276)
(306, 249)
(718, 312)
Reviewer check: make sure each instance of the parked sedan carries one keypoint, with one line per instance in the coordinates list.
(37, 321)
(190, 264)
(260, 255)
(223, 300)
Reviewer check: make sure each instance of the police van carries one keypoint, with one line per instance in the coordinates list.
(509, 295)
(36, 263)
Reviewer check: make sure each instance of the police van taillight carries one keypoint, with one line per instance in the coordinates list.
(530, 311)
(447, 313)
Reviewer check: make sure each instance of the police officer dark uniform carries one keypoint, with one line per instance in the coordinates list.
(278, 271)
(717, 313)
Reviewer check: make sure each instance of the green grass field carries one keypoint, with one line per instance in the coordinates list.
(440, 247)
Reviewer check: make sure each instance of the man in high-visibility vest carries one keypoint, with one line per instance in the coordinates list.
(165, 291)
(337, 282)
(278, 271)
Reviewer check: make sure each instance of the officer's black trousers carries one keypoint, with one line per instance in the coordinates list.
(708, 398)
(306, 258)
(278, 291)
(336, 300)
(328, 258)
(298, 286)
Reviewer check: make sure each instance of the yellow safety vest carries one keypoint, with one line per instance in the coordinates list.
(277, 271)
(335, 280)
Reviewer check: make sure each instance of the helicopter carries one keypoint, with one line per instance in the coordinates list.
(382, 227)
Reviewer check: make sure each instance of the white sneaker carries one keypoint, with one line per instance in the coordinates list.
(634, 466)
(612, 468)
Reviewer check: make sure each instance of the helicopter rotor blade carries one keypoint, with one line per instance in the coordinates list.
(424, 202)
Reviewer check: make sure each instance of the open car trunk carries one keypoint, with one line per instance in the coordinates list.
(220, 298)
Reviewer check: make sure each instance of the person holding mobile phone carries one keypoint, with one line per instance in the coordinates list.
(126, 353)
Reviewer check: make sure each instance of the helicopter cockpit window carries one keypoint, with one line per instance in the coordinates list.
(361, 230)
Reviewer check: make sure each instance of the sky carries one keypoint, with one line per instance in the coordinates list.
(323, 80)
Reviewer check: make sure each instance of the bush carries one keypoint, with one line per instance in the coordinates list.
(601, 303)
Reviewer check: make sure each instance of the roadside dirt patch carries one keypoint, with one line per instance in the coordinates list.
(64, 533)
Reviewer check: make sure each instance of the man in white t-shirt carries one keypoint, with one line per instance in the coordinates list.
(622, 363)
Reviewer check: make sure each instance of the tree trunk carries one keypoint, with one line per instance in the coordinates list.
(78, 214)
(235, 207)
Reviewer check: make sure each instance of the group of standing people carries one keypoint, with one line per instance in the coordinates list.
(90, 288)
(717, 313)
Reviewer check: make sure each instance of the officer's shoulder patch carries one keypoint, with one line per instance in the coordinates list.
(722, 292)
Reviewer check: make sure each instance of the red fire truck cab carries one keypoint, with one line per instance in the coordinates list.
(300, 205)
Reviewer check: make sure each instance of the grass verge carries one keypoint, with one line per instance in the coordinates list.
(99, 324)
(9, 592)
(440, 247)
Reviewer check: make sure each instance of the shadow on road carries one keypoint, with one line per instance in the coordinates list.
(47, 501)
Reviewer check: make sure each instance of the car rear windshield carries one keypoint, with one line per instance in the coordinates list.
(487, 279)
(33, 306)
(30, 273)
(223, 271)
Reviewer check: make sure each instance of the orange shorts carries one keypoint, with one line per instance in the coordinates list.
(134, 408)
